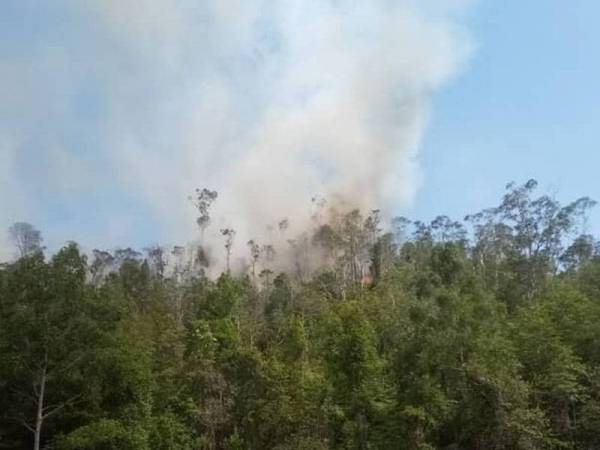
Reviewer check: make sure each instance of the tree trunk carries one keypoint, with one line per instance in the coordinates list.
(39, 419)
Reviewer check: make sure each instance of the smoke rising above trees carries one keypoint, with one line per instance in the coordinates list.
(267, 103)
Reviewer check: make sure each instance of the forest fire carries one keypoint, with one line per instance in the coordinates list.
(366, 281)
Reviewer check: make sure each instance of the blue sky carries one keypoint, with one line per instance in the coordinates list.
(526, 106)
(92, 99)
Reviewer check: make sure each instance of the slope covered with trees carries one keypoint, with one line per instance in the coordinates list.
(476, 335)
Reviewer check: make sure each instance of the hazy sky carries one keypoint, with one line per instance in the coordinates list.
(95, 144)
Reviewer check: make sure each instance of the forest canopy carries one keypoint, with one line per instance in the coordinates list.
(475, 334)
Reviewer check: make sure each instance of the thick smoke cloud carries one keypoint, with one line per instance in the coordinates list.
(268, 102)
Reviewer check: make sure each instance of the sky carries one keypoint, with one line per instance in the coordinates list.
(110, 114)
(527, 106)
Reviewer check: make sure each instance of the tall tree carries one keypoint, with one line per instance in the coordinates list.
(26, 238)
(202, 200)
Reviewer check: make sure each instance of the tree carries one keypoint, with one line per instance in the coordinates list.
(254, 255)
(155, 255)
(580, 252)
(26, 238)
(354, 373)
(524, 236)
(229, 234)
(48, 335)
(202, 200)
(101, 266)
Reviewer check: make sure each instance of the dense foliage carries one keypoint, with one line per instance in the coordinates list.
(483, 335)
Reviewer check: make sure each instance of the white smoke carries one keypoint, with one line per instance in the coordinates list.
(268, 102)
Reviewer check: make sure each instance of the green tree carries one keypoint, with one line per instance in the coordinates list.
(49, 336)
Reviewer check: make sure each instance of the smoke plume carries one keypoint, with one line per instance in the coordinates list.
(268, 102)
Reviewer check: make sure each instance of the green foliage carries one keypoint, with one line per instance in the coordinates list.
(421, 338)
(105, 434)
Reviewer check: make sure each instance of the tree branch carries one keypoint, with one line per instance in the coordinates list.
(52, 409)
(21, 421)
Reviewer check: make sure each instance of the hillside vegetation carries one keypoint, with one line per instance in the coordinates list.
(482, 334)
